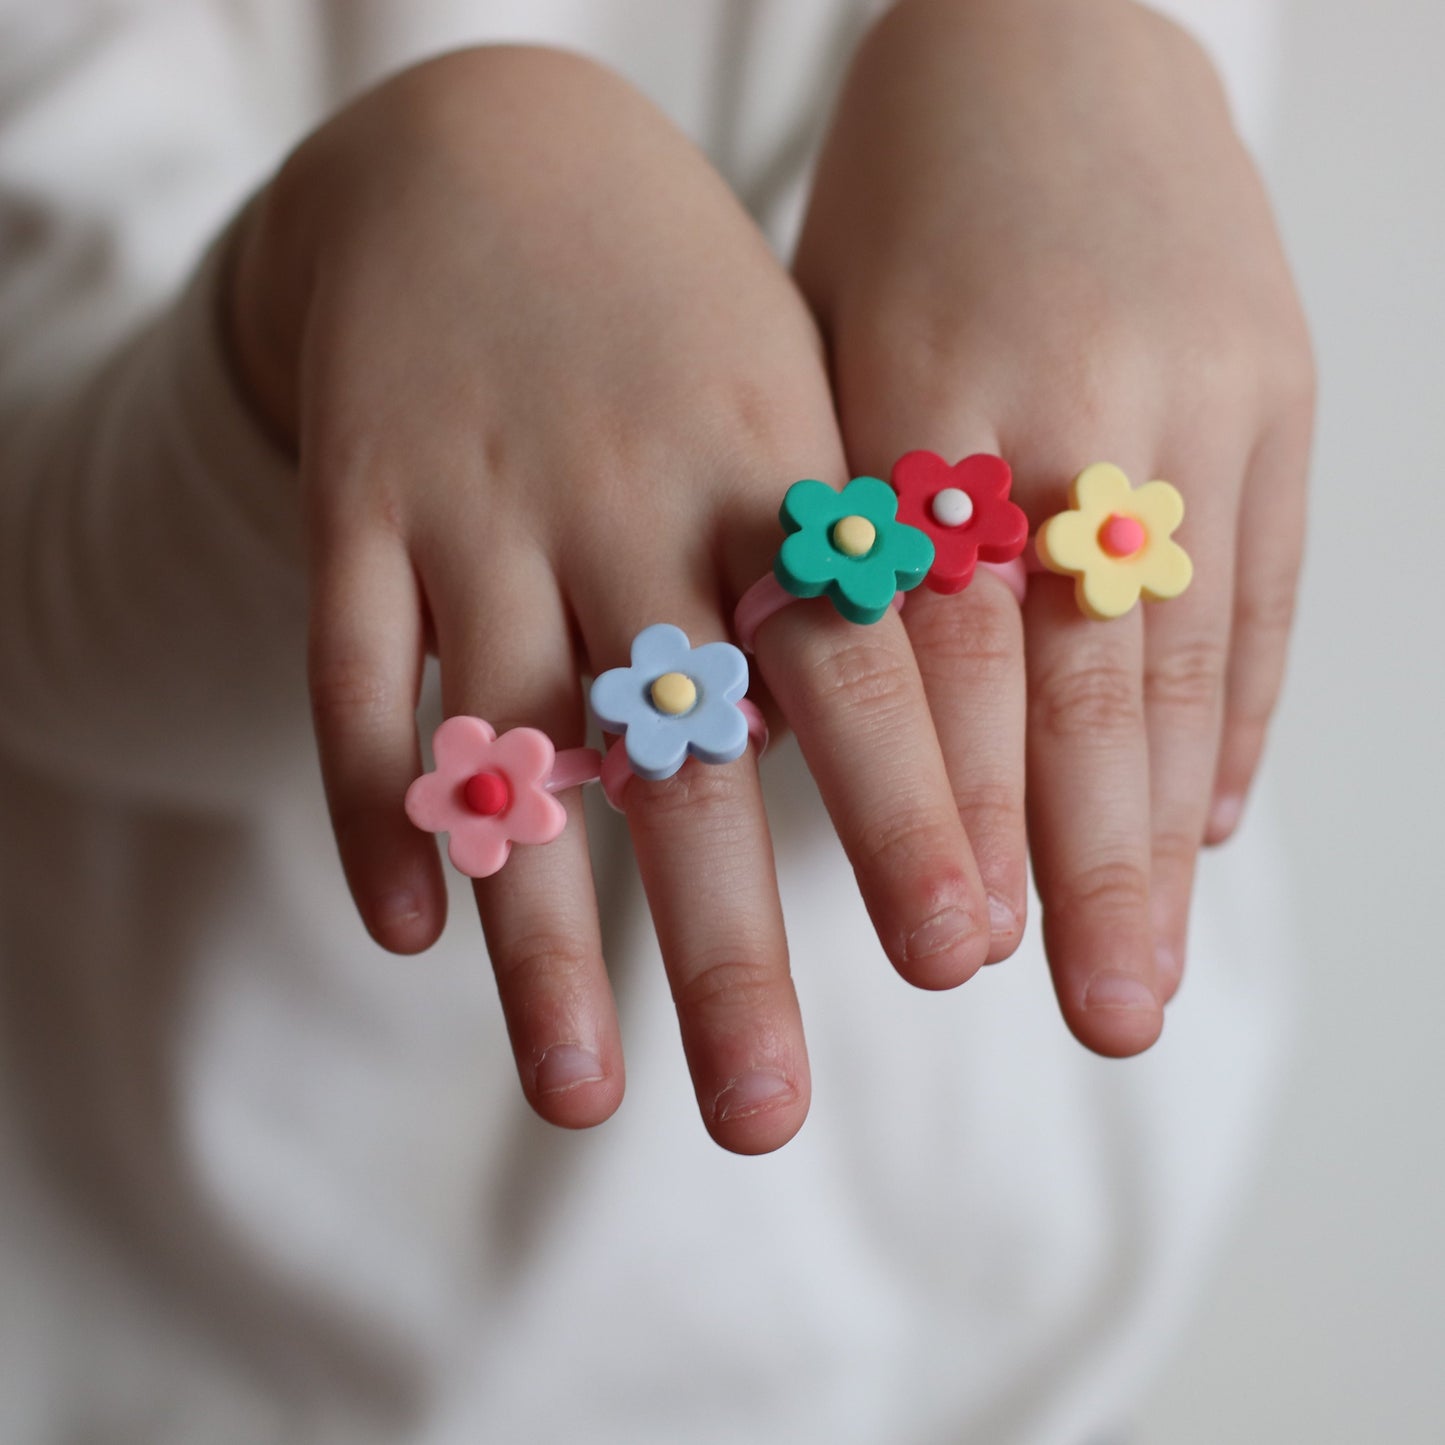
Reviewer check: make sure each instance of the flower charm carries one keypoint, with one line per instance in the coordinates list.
(851, 546)
(675, 700)
(964, 510)
(488, 792)
(1116, 542)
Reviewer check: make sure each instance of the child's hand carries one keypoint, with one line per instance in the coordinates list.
(1035, 233)
(548, 386)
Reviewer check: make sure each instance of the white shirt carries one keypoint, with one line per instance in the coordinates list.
(266, 1182)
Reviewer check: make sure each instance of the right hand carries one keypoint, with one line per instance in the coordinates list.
(547, 385)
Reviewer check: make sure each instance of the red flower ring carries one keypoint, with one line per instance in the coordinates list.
(965, 511)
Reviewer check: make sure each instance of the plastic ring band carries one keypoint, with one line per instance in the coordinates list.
(765, 597)
(1014, 575)
(617, 771)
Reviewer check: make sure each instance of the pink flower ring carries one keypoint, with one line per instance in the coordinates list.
(488, 792)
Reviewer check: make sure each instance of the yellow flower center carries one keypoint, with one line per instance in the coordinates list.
(674, 693)
(854, 536)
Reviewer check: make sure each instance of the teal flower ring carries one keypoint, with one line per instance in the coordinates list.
(850, 547)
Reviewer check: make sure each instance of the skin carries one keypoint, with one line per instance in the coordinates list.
(1077, 263)
(502, 285)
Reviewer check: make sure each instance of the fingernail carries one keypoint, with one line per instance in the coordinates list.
(1119, 991)
(1001, 918)
(1225, 815)
(750, 1094)
(945, 930)
(397, 908)
(565, 1066)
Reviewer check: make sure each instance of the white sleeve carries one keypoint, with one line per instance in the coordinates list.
(1242, 38)
(152, 599)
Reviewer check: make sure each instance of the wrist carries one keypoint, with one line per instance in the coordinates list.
(262, 309)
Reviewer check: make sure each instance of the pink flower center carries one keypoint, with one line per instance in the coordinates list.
(487, 794)
(1122, 536)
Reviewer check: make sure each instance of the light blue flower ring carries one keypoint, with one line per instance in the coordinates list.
(658, 739)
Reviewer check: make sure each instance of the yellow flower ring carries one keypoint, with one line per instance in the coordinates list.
(1115, 541)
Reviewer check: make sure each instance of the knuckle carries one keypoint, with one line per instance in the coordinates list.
(984, 640)
(915, 358)
(1245, 724)
(728, 985)
(353, 825)
(1266, 611)
(990, 809)
(1086, 383)
(695, 786)
(903, 845)
(749, 416)
(1090, 367)
(1223, 377)
(1293, 372)
(1114, 887)
(347, 691)
(1299, 384)
(367, 820)
(541, 960)
(1175, 847)
(1087, 702)
(1219, 359)
(1190, 675)
(857, 671)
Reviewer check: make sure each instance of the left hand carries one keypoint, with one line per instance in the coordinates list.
(1034, 232)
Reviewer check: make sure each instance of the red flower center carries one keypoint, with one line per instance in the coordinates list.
(487, 794)
(1122, 536)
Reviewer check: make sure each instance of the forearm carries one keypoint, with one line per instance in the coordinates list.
(149, 570)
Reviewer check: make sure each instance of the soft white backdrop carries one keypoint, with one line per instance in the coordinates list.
(1327, 1324)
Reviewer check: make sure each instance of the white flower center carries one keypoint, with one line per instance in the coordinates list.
(952, 507)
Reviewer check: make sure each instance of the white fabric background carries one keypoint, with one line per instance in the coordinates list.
(1326, 1322)
(300, 1196)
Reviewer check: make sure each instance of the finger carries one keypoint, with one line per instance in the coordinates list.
(706, 860)
(1270, 543)
(1088, 817)
(506, 657)
(1185, 653)
(855, 698)
(971, 658)
(705, 857)
(969, 646)
(364, 669)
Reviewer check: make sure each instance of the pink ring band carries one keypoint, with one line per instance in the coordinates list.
(617, 771)
(767, 595)
(572, 768)
(1013, 574)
